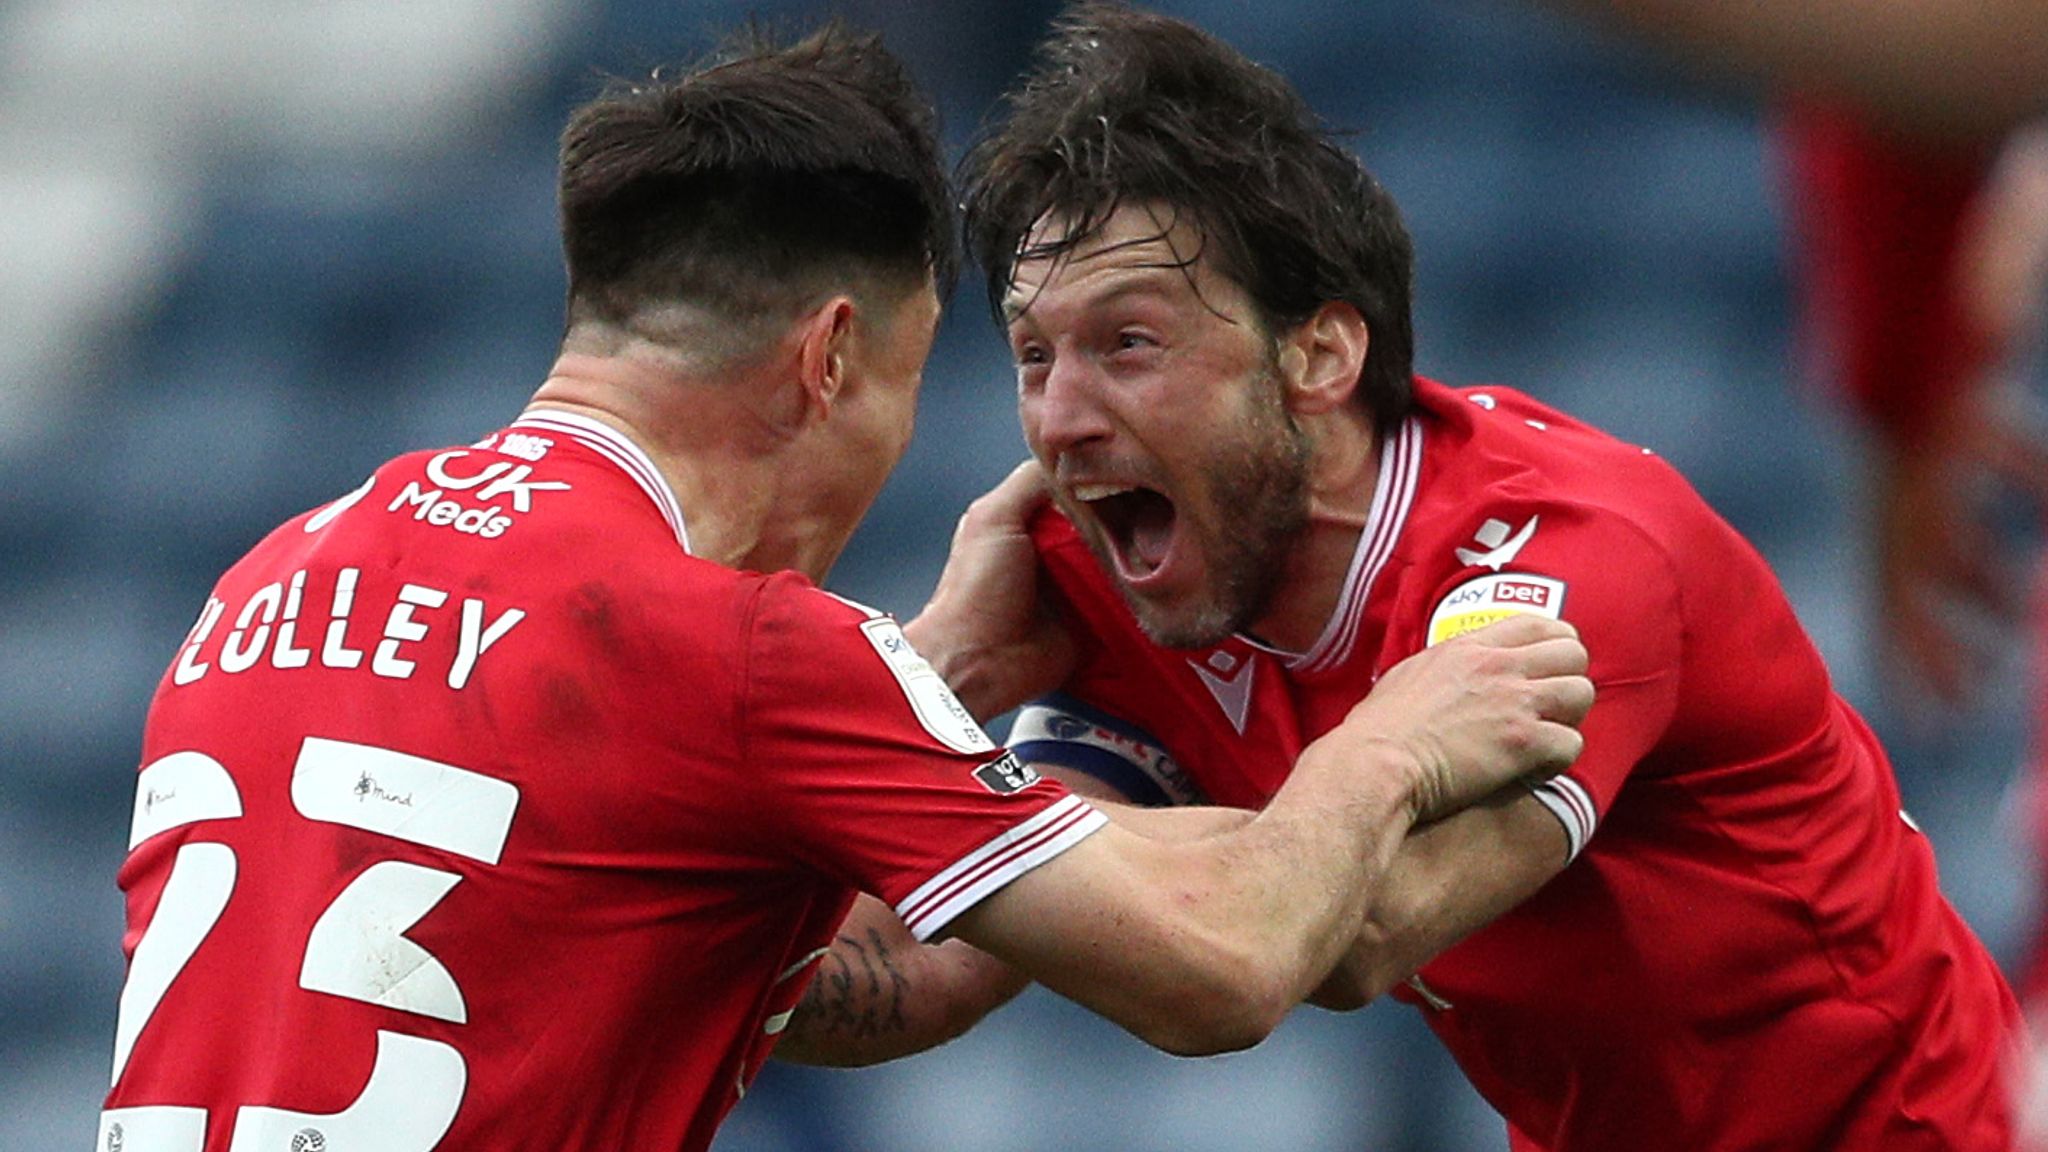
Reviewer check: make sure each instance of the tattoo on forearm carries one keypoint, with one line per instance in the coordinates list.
(858, 990)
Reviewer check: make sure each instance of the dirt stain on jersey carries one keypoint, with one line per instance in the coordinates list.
(616, 627)
(566, 704)
(595, 609)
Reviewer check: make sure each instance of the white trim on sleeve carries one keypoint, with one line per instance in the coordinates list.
(968, 880)
(1569, 801)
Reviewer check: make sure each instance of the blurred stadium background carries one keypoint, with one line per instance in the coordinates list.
(253, 247)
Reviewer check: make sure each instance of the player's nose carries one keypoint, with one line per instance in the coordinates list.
(1065, 411)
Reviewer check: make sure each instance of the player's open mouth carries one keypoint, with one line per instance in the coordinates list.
(1138, 523)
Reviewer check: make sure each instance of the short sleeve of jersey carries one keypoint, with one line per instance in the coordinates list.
(1602, 574)
(873, 773)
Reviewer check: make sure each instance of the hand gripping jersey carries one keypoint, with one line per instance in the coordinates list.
(1748, 950)
(476, 814)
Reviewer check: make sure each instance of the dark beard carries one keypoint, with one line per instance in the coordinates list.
(1261, 488)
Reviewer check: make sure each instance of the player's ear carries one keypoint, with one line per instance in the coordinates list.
(1321, 357)
(824, 338)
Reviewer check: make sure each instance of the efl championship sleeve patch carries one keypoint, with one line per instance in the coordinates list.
(936, 707)
(1485, 599)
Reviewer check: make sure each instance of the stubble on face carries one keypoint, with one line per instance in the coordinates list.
(1254, 508)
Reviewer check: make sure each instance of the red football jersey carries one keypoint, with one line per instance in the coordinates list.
(477, 814)
(1749, 949)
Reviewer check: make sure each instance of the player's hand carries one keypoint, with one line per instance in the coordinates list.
(1481, 710)
(990, 628)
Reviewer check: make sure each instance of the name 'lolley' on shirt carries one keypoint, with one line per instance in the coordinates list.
(266, 627)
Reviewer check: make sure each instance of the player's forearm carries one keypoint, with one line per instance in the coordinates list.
(879, 994)
(1204, 945)
(1192, 822)
(1448, 879)
(987, 681)
(1318, 856)
(1293, 885)
(1370, 827)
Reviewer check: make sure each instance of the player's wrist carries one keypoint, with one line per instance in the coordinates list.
(930, 641)
(1378, 774)
(956, 664)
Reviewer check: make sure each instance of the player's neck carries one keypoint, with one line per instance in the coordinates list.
(1343, 475)
(721, 454)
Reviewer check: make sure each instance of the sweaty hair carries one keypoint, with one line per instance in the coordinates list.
(754, 184)
(1124, 106)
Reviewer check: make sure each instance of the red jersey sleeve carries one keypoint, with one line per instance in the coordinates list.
(873, 773)
(1599, 572)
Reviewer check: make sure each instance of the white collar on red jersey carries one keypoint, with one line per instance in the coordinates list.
(618, 448)
(1392, 494)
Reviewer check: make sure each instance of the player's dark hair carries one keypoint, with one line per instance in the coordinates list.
(756, 181)
(1124, 106)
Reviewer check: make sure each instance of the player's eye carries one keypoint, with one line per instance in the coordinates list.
(1133, 344)
(1034, 363)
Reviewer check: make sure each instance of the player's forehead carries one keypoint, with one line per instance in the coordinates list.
(1142, 247)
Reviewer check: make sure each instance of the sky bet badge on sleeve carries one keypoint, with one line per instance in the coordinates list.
(1484, 599)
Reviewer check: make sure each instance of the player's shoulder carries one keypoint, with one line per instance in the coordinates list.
(1533, 441)
(809, 644)
(786, 611)
(793, 597)
(1511, 457)
(1524, 504)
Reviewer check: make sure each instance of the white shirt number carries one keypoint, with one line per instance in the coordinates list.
(357, 948)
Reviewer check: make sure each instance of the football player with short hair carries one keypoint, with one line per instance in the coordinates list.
(1718, 930)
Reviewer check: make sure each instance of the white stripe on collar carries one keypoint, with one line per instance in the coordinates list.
(616, 447)
(1392, 494)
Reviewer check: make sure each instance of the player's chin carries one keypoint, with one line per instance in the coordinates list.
(1189, 621)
